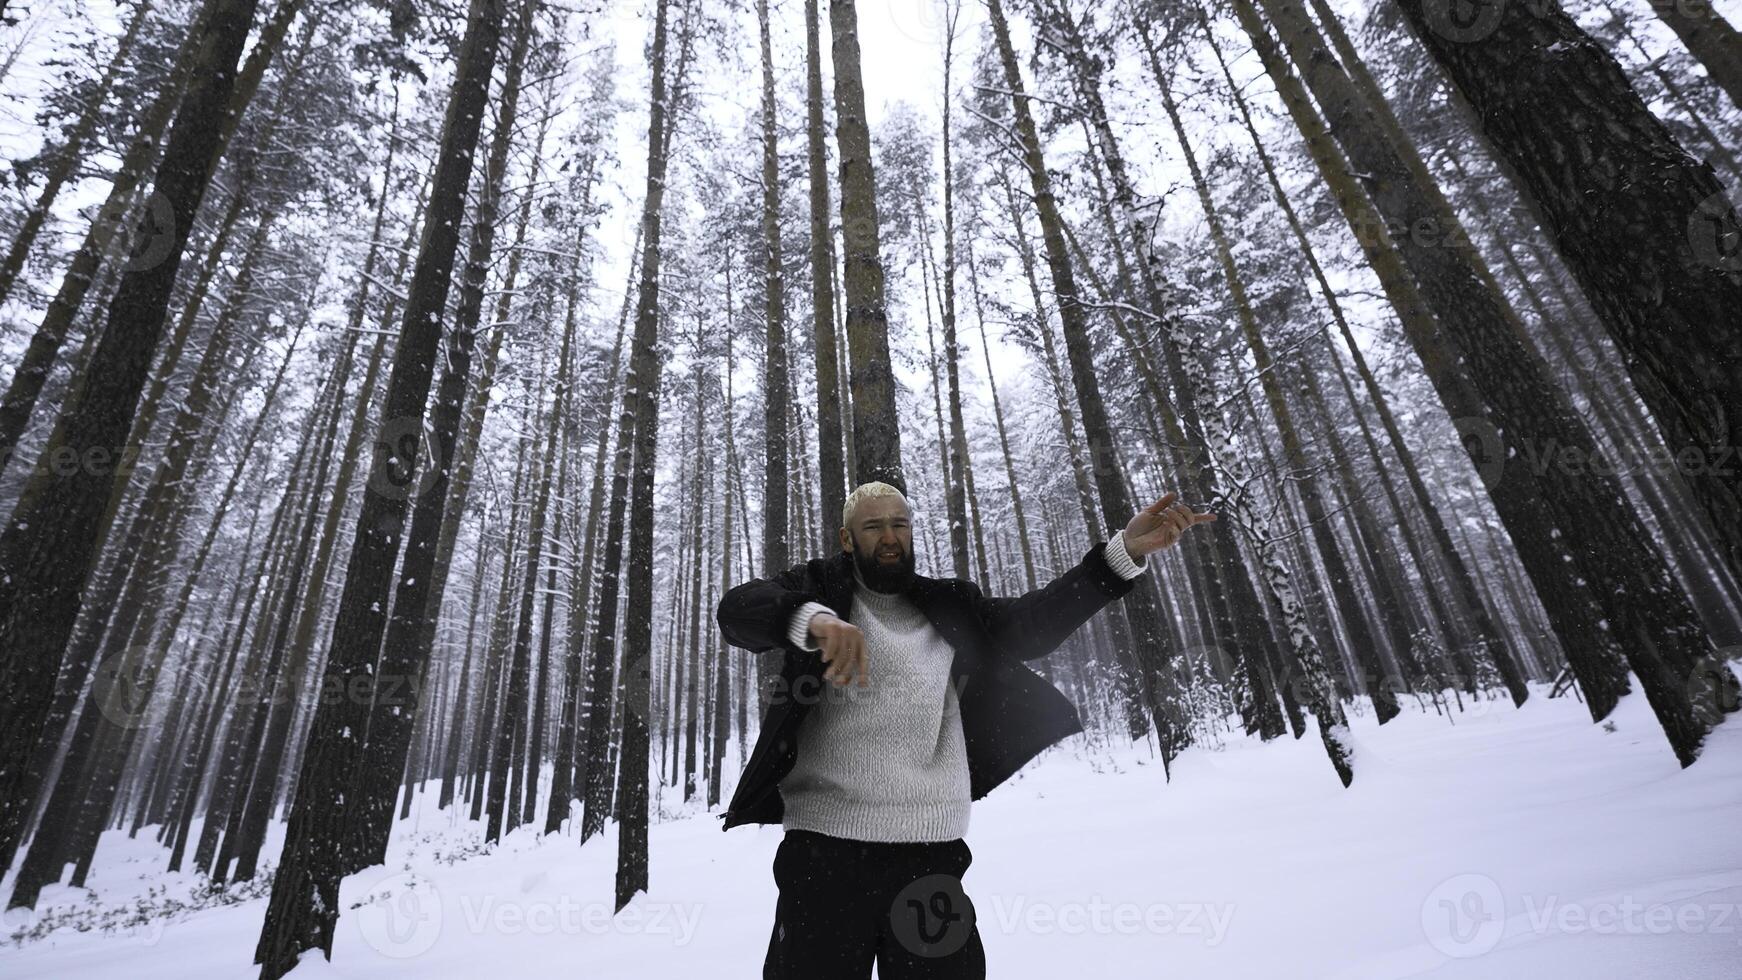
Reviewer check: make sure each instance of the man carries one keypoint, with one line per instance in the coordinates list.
(923, 705)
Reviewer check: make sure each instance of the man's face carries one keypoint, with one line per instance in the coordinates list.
(881, 539)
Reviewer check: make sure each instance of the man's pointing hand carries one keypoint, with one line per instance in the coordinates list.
(843, 649)
(1159, 526)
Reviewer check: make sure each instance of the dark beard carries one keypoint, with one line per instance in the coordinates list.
(884, 578)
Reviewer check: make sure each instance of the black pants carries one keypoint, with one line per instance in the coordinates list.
(844, 903)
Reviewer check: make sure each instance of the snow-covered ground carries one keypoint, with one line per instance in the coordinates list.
(1500, 843)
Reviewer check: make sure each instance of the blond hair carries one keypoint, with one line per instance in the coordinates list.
(869, 491)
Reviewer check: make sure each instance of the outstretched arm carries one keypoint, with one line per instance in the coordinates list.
(1036, 623)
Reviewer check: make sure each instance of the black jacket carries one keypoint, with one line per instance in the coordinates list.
(1009, 713)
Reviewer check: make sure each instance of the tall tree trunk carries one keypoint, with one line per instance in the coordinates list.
(1153, 651)
(822, 261)
(562, 775)
(876, 424)
(571, 776)
(1380, 685)
(1550, 511)
(1183, 427)
(723, 687)
(691, 649)
(505, 815)
(153, 534)
(1485, 634)
(641, 395)
(1646, 229)
(1713, 42)
(49, 543)
(410, 633)
(959, 477)
(1030, 582)
(776, 547)
(605, 683)
(303, 908)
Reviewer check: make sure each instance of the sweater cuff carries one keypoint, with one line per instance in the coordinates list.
(1118, 559)
(798, 631)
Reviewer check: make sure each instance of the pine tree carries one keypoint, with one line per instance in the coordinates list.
(1550, 512)
(822, 267)
(876, 430)
(641, 396)
(48, 546)
(303, 909)
(1645, 228)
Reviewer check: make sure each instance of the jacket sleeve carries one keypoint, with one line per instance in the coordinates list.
(1034, 624)
(756, 615)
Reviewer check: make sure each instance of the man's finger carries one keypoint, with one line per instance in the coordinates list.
(1162, 504)
(1174, 518)
(843, 671)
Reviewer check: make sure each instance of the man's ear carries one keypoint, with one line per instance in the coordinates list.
(846, 540)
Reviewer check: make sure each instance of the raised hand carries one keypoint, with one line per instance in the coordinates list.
(1160, 525)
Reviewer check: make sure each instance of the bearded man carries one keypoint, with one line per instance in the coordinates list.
(902, 700)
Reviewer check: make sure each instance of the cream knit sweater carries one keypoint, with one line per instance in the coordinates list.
(887, 762)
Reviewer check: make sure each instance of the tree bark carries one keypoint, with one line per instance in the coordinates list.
(776, 405)
(876, 425)
(303, 908)
(49, 543)
(641, 396)
(1379, 684)
(1646, 229)
(1550, 511)
(1153, 651)
(822, 261)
